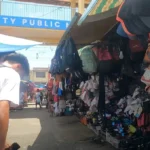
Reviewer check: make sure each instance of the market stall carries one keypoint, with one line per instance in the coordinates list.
(105, 80)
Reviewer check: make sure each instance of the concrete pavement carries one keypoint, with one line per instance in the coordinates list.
(36, 130)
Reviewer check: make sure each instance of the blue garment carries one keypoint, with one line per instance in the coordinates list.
(37, 96)
(121, 31)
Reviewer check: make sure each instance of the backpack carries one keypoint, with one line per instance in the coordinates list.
(89, 59)
(70, 58)
(56, 63)
(109, 60)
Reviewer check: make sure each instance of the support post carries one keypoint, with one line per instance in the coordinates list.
(1, 7)
(73, 8)
(81, 6)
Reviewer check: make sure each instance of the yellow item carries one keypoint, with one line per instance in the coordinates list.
(132, 129)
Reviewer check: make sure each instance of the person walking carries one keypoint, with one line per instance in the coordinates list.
(14, 67)
(38, 99)
(41, 96)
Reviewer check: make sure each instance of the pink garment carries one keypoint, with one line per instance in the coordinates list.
(55, 98)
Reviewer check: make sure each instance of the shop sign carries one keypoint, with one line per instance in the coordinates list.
(33, 23)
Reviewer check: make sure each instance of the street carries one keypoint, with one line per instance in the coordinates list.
(36, 130)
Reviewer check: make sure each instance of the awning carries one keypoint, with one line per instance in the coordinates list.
(105, 5)
(9, 44)
(99, 7)
(91, 30)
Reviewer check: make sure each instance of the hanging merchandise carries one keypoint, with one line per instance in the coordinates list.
(147, 55)
(50, 84)
(137, 50)
(70, 57)
(146, 77)
(56, 109)
(89, 60)
(60, 89)
(115, 102)
(109, 60)
(56, 64)
(66, 58)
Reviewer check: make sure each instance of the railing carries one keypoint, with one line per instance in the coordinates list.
(24, 9)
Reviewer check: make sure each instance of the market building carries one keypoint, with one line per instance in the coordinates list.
(42, 21)
(39, 75)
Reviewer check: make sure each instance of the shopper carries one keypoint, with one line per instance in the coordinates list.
(13, 65)
(41, 96)
(46, 96)
(37, 98)
(62, 105)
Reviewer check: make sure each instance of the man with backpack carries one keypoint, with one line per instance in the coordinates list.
(14, 67)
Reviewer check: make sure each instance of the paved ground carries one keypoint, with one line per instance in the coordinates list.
(35, 130)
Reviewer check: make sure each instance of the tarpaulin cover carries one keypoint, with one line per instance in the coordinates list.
(9, 44)
(97, 7)
(94, 28)
(9, 48)
(105, 5)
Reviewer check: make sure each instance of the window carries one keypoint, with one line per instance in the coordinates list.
(40, 74)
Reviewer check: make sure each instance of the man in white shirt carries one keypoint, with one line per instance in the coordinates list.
(14, 66)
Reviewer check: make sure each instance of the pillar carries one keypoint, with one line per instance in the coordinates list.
(1, 7)
(73, 8)
(81, 6)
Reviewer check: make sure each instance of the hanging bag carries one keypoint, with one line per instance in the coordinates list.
(56, 64)
(89, 59)
(109, 60)
(70, 57)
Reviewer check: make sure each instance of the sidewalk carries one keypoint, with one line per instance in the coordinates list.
(35, 130)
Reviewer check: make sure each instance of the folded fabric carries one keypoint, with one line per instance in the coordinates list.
(146, 77)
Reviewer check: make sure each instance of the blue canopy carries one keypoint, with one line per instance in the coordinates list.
(11, 44)
(11, 48)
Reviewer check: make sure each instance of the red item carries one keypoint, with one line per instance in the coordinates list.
(104, 54)
(55, 98)
(136, 46)
(140, 121)
(50, 84)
